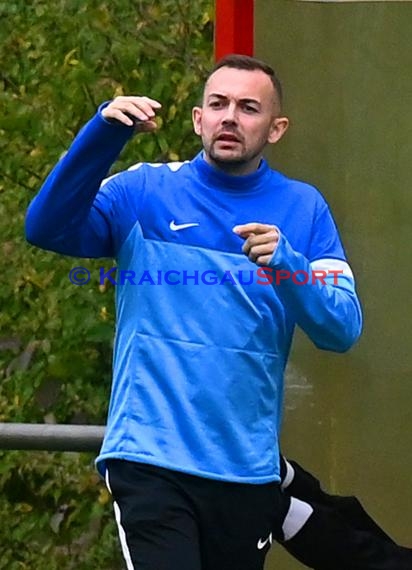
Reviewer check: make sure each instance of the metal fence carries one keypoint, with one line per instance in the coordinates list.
(50, 437)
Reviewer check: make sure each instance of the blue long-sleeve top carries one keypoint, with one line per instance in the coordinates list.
(202, 336)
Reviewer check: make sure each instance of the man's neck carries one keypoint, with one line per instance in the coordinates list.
(234, 168)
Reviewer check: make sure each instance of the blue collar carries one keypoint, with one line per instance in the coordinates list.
(219, 180)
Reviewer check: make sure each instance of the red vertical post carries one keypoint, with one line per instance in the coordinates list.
(234, 27)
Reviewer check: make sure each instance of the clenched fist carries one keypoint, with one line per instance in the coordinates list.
(261, 241)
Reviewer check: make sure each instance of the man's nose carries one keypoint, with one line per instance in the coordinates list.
(230, 115)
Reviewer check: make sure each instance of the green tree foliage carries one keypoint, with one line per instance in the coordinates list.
(60, 60)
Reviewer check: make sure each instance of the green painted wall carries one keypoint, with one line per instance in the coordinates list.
(347, 75)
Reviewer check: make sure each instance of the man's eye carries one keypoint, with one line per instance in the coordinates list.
(250, 109)
(215, 104)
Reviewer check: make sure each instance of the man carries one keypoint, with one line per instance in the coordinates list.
(219, 258)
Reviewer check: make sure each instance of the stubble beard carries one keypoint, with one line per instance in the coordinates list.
(232, 163)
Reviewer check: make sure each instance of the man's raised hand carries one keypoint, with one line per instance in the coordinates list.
(136, 111)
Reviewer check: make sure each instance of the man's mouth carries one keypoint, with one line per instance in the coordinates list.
(227, 137)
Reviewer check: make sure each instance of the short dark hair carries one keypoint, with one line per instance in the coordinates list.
(238, 61)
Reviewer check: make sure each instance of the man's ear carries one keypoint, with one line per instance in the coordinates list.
(197, 120)
(278, 129)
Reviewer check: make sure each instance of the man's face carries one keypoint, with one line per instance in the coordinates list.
(238, 118)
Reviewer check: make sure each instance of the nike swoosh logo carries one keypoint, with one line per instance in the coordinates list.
(262, 543)
(176, 227)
